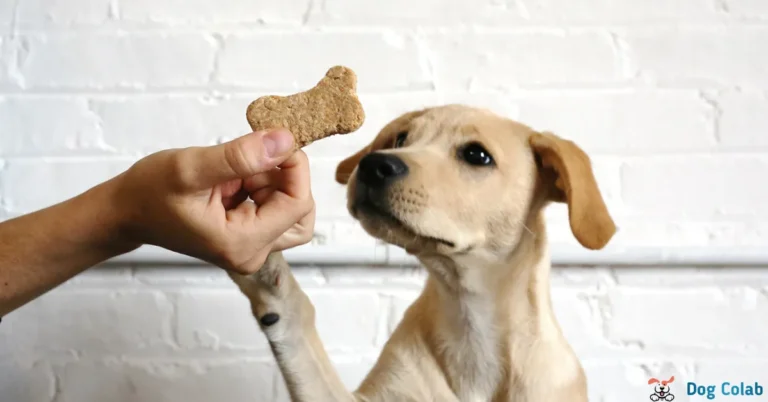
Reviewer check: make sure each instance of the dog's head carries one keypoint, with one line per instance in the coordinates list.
(662, 387)
(456, 180)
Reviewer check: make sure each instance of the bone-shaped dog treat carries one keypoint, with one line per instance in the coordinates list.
(331, 107)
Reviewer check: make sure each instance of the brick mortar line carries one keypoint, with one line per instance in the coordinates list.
(426, 27)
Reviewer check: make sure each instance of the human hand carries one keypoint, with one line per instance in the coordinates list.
(230, 204)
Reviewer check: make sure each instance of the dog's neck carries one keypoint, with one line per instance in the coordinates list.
(483, 315)
(515, 288)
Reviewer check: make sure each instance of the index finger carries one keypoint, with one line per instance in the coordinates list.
(291, 200)
(293, 177)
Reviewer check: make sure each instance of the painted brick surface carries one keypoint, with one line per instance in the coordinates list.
(116, 60)
(669, 97)
(185, 333)
(251, 60)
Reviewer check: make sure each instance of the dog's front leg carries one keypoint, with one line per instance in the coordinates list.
(287, 318)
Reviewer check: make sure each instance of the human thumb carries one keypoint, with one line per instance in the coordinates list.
(240, 158)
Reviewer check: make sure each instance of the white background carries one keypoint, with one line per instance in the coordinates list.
(667, 96)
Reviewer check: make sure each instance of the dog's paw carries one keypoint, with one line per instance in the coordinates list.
(268, 289)
(268, 278)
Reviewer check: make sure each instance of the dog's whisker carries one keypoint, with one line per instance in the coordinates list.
(529, 230)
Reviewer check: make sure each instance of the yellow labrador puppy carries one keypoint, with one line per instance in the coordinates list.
(463, 190)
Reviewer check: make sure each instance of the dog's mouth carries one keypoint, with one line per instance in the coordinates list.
(370, 209)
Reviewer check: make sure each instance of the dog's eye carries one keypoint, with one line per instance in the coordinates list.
(400, 140)
(475, 154)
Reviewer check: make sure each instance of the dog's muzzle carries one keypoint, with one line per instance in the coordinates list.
(375, 173)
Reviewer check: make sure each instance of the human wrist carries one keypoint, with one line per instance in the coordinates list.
(110, 216)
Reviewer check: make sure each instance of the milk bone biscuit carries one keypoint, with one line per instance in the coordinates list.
(331, 107)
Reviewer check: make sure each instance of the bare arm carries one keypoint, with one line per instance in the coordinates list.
(41, 250)
(222, 204)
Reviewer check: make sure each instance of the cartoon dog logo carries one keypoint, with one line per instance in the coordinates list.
(661, 390)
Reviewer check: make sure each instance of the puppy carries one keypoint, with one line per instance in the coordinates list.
(463, 190)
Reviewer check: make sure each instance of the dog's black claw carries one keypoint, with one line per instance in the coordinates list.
(269, 319)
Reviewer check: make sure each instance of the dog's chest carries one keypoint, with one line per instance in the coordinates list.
(471, 352)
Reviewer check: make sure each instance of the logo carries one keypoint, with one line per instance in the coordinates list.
(661, 389)
(727, 390)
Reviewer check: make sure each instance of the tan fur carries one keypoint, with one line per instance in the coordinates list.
(483, 328)
(590, 222)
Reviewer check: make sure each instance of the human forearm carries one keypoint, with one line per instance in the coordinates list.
(44, 249)
(226, 204)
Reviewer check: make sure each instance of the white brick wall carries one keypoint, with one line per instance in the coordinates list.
(670, 97)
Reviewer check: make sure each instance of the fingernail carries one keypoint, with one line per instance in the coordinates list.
(278, 142)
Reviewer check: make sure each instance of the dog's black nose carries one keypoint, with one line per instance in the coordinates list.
(379, 169)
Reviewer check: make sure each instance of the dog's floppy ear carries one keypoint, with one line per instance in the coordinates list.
(345, 168)
(574, 183)
(384, 139)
